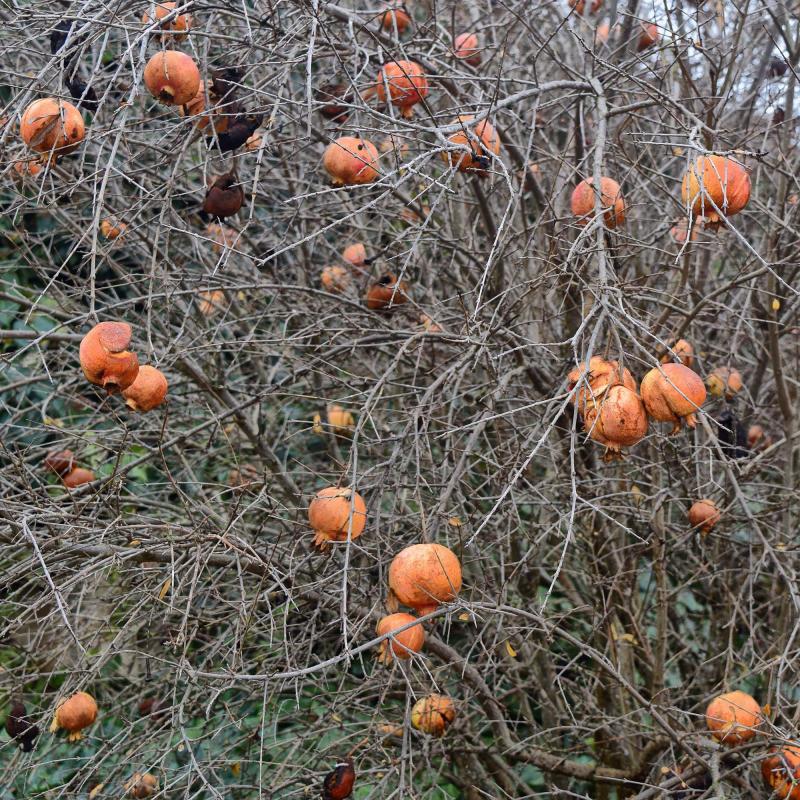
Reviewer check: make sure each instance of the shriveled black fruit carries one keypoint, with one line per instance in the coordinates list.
(224, 197)
(20, 728)
(83, 94)
(240, 129)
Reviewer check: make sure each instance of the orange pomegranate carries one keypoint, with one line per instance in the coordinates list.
(222, 236)
(601, 34)
(335, 278)
(601, 375)
(715, 181)
(340, 420)
(406, 84)
(680, 231)
(433, 714)
(60, 461)
(465, 47)
(618, 419)
(27, 169)
(733, 718)
(781, 772)
(148, 391)
(330, 512)
(481, 140)
(355, 254)
(386, 293)
(756, 436)
(648, 36)
(112, 228)
(402, 645)
(673, 393)
(197, 108)
(682, 350)
(395, 17)
(423, 576)
(141, 785)
(105, 358)
(211, 302)
(611, 199)
(704, 515)
(76, 477)
(75, 714)
(178, 26)
(579, 5)
(172, 78)
(351, 161)
(52, 126)
(724, 382)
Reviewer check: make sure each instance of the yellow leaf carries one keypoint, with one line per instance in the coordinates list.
(96, 791)
(336, 718)
(134, 543)
(464, 617)
(236, 769)
(767, 709)
(316, 425)
(776, 304)
(455, 522)
(510, 650)
(165, 588)
(638, 496)
(53, 421)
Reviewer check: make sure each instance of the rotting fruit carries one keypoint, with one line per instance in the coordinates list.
(724, 382)
(423, 576)
(74, 715)
(611, 199)
(172, 77)
(673, 393)
(433, 714)
(148, 391)
(355, 254)
(387, 292)
(76, 477)
(112, 228)
(704, 515)
(481, 140)
(329, 515)
(601, 375)
(351, 161)
(781, 772)
(59, 461)
(335, 278)
(224, 197)
(403, 644)
(52, 126)
(617, 419)
(733, 718)
(141, 785)
(105, 358)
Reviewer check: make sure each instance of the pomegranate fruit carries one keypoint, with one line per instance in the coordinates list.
(648, 36)
(141, 785)
(423, 576)
(52, 126)
(715, 181)
(781, 772)
(580, 5)
(733, 717)
(617, 419)
(703, 515)
(333, 96)
(480, 140)
(404, 83)
(355, 254)
(60, 461)
(112, 228)
(600, 376)
(465, 48)
(680, 231)
(74, 715)
(76, 477)
(340, 420)
(611, 199)
(335, 278)
(386, 293)
(724, 382)
(351, 161)
(673, 393)
(682, 350)
(402, 645)
(433, 714)
(198, 109)
(172, 78)
(105, 359)
(178, 26)
(397, 18)
(329, 515)
(148, 391)
(211, 302)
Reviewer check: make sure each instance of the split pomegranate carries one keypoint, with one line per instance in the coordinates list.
(673, 393)
(682, 350)
(406, 84)
(611, 199)
(781, 772)
(648, 36)
(351, 161)
(481, 140)
(465, 47)
(335, 278)
(618, 419)
(141, 785)
(704, 515)
(601, 375)
(76, 477)
(148, 391)
(224, 197)
(733, 718)
(724, 382)
(74, 715)
(60, 461)
(402, 645)
(715, 181)
(423, 576)
(52, 126)
(330, 513)
(433, 714)
(395, 17)
(105, 359)
(355, 254)
(340, 420)
(112, 228)
(178, 26)
(172, 78)
(386, 293)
